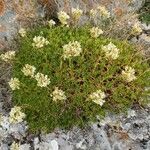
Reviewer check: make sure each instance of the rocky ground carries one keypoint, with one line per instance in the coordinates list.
(115, 132)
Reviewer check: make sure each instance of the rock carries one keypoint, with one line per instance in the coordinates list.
(145, 26)
(80, 145)
(25, 147)
(14, 15)
(3, 147)
(18, 130)
(101, 139)
(131, 113)
(145, 39)
(126, 126)
(54, 145)
(4, 122)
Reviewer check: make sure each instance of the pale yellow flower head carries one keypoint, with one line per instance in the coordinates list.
(8, 56)
(103, 12)
(93, 12)
(128, 74)
(95, 32)
(14, 83)
(76, 13)
(58, 95)
(22, 32)
(15, 146)
(72, 49)
(28, 70)
(16, 115)
(111, 51)
(39, 42)
(136, 29)
(63, 17)
(98, 97)
(51, 23)
(42, 80)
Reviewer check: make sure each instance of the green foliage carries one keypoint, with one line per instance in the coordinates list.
(78, 77)
(145, 12)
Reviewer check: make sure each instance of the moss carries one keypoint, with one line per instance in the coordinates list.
(78, 77)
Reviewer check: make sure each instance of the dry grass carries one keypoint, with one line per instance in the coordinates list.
(120, 28)
(26, 10)
(2, 7)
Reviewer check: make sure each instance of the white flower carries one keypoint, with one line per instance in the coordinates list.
(63, 17)
(76, 13)
(128, 74)
(51, 23)
(95, 32)
(103, 12)
(14, 83)
(42, 80)
(16, 115)
(22, 32)
(39, 41)
(93, 12)
(136, 29)
(14, 146)
(58, 94)
(28, 70)
(72, 49)
(98, 97)
(8, 56)
(111, 51)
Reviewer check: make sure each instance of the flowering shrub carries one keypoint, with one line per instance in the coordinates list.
(75, 77)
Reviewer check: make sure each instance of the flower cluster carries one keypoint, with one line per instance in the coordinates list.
(72, 49)
(28, 70)
(103, 12)
(51, 23)
(14, 83)
(39, 42)
(98, 97)
(16, 115)
(136, 29)
(76, 13)
(15, 146)
(96, 32)
(93, 12)
(58, 94)
(111, 51)
(63, 17)
(128, 74)
(22, 32)
(8, 56)
(42, 80)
